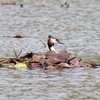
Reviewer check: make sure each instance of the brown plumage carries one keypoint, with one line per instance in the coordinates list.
(51, 42)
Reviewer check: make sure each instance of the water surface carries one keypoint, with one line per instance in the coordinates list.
(78, 27)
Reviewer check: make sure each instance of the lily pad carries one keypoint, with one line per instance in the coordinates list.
(64, 65)
(36, 58)
(50, 54)
(63, 55)
(20, 66)
(33, 65)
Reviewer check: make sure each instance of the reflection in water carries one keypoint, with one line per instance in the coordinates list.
(77, 27)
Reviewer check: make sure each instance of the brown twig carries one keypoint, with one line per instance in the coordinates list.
(19, 53)
(4, 61)
(14, 50)
(43, 43)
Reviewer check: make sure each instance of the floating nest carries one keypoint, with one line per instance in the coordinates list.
(48, 60)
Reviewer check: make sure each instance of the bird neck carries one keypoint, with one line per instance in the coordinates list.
(52, 49)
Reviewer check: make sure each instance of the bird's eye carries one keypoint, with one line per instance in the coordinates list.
(57, 40)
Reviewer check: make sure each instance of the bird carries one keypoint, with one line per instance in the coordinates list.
(65, 2)
(21, 5)
(51, 41)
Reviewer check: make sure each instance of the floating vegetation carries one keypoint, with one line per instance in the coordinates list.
(16, 36)
(8, 3)
(48, 60)
(39, 6)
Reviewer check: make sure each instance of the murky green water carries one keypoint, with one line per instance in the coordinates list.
(78, 27)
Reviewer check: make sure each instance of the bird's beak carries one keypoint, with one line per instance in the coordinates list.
(59, 41)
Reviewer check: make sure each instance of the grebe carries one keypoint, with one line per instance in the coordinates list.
(51, 42)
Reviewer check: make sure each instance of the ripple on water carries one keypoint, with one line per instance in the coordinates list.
(58, 84)
(77, 27)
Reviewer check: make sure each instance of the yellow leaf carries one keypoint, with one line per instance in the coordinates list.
(20, 66)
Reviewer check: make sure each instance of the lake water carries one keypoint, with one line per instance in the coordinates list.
(77, 27)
